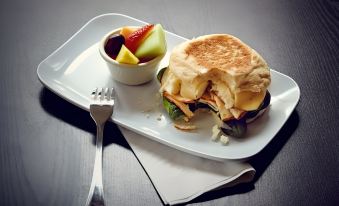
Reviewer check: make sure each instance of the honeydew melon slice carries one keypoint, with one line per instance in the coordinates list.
(154, 45)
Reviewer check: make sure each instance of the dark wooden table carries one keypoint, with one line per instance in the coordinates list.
(46, 144)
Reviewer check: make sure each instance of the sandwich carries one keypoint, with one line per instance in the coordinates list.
(220, 73)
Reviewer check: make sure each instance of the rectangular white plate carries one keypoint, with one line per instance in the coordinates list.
(76, 68)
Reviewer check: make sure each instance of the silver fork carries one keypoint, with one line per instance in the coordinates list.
(101, 110)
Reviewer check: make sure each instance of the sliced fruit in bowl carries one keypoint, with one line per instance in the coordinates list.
(118, 48)
(143, 43)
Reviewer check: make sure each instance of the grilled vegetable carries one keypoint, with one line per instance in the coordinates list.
(161, 73)
(234, 127)
(173, 111)
(201, 105)
(267, 100)
(262, 106)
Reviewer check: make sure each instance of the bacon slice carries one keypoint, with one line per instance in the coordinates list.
(237, 113)
(185, 127)
(206, 98)
(225, 114)
(182, 99)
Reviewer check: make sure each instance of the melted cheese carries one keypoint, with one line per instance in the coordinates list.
(193, 90)
(249, 101)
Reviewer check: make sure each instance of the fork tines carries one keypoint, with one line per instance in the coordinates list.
(103, 94)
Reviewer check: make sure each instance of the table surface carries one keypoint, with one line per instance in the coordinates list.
(46, 143)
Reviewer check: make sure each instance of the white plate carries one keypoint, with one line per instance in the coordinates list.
(74, 69)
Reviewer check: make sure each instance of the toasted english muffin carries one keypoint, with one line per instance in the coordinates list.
(218, 72)
(236, 73)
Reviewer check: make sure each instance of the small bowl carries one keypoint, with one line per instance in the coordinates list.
(130, 74)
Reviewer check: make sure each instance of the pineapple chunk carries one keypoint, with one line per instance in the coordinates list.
(248, 100)
(126, 56)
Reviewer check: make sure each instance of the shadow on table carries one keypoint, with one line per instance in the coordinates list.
(67, 112)
(81, 119)
(260, 161)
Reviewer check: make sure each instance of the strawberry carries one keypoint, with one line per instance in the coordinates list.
(137, 37)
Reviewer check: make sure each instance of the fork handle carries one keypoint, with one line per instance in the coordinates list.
(96, 192)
